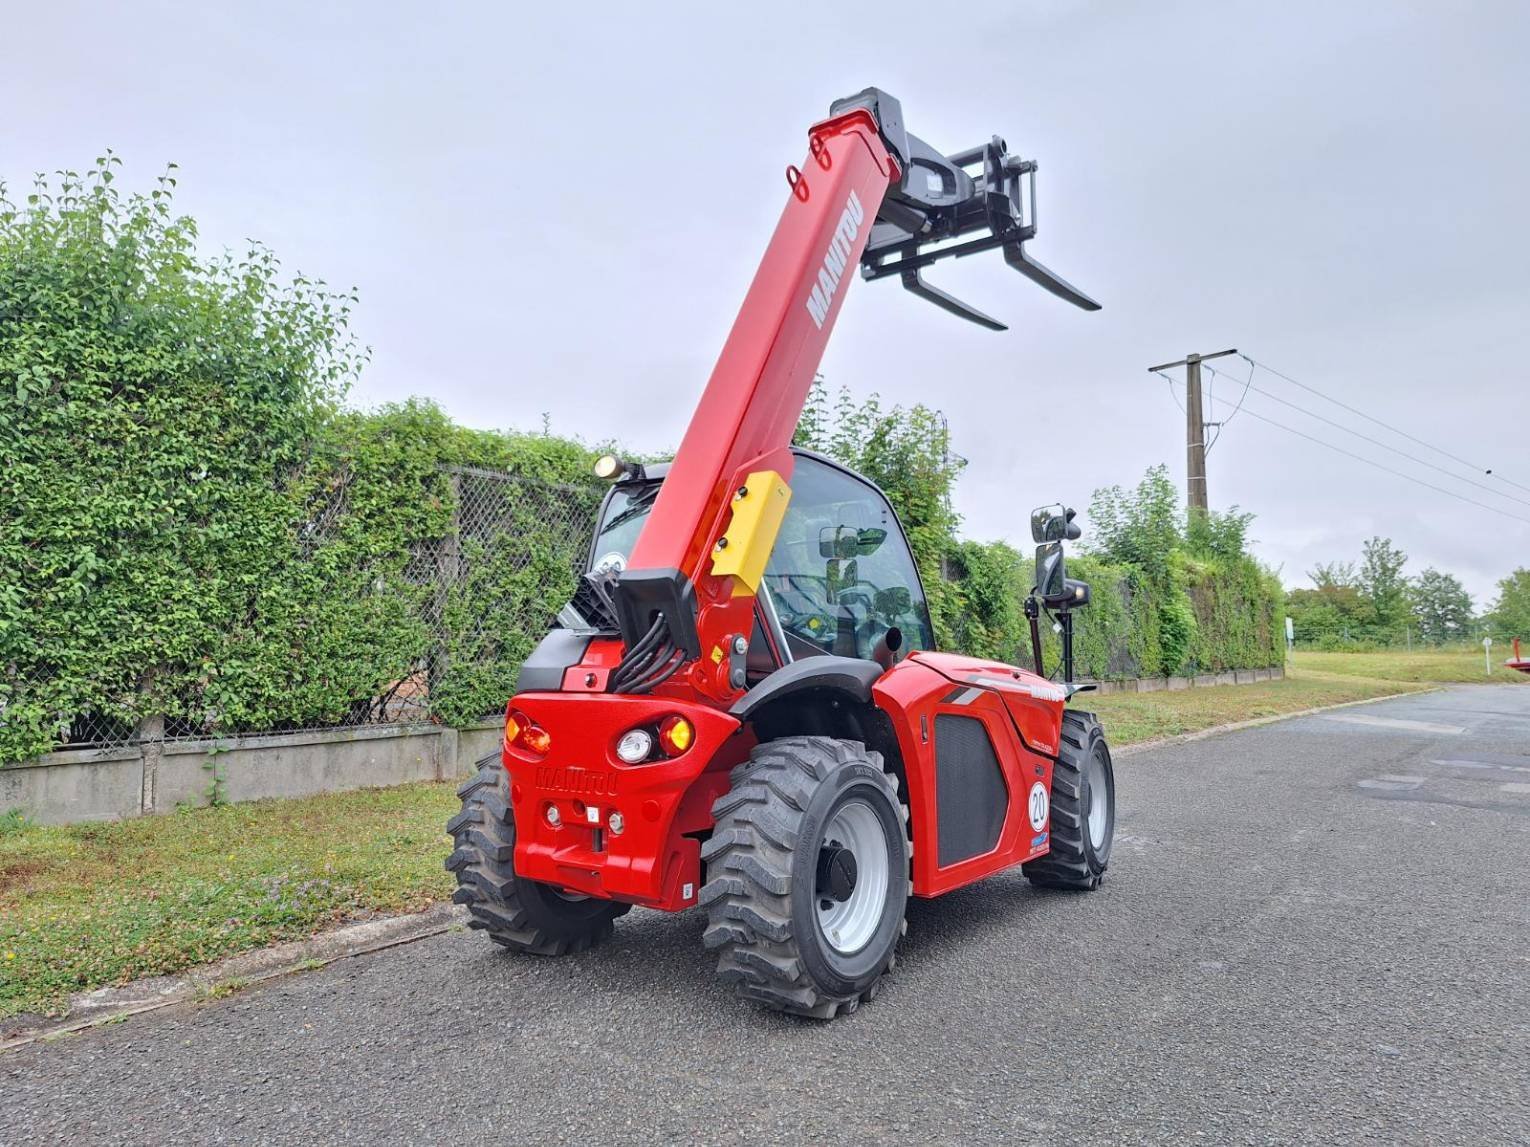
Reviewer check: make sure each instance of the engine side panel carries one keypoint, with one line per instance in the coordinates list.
(939, 720)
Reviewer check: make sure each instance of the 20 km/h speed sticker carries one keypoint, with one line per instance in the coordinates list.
(1038, 803)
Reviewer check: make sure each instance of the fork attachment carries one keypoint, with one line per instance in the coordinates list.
(950, 206)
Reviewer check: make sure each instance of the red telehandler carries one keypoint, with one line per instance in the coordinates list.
(742, 708)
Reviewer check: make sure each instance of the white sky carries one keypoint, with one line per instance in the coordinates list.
(557, 208)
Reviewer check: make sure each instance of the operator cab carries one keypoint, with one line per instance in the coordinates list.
(840, 576)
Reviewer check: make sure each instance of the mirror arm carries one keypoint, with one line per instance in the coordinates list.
(1033, 615)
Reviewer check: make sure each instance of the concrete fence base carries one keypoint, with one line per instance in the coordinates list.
(1199, 681)
(160, 776)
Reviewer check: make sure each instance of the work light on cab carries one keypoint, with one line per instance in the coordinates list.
(676, 735)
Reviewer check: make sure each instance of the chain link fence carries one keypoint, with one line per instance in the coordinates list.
(461, 610)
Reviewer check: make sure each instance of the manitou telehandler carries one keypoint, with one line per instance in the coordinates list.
(742, 707)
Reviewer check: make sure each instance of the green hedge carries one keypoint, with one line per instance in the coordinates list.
(1219, 615)
(1166, 599)
(193, 527)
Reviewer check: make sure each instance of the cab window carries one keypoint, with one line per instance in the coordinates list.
(841, 573)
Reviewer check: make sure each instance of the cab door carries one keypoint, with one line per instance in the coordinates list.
(841, 573)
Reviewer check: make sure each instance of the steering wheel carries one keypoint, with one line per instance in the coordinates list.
(805, 613)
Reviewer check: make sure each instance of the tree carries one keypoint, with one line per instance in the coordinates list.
(1333, 575)
(1138, 527)
(1510, 615)
(1441, 607)
(907, 453)
(1382, 583)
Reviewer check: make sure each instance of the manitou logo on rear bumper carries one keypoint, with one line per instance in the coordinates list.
(836, 261)
(577, 782)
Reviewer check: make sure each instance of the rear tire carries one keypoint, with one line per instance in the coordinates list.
(523, 915)
(1083, 816)
(807, 876)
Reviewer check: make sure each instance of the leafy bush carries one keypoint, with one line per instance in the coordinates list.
(155, 407)
(191, 526)
(1167, 597)
(1177, 634)
(1202, 604)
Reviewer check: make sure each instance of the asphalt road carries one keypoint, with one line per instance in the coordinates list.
(1317, 930)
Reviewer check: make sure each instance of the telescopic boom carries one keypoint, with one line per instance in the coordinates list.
(868, 194)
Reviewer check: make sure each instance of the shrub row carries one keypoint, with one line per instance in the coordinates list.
(194, 528)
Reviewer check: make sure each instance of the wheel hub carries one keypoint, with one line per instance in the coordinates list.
(837, 872)
(852, 878)
(1096, 801)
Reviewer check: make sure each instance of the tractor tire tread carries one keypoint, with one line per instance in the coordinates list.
(749, 863)
(482, 859)
(1066, 865)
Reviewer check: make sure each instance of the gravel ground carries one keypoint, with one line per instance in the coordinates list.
(1317, 930)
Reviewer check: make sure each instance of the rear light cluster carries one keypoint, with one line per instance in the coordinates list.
(672, 736)
(521, 733)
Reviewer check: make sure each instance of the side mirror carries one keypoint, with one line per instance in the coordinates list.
(1054, 524)
(848, 542)
(1050, 574)
(1074, 594)
(869, 540)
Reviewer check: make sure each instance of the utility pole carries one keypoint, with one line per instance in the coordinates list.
(1195, 426)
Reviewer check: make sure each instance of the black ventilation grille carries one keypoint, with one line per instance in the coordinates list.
(971, 797)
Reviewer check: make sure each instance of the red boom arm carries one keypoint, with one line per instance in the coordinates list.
(749, 410)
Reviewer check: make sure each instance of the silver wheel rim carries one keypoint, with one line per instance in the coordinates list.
(1099, 800)
(849, 924)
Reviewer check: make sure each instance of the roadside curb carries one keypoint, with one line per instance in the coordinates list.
(112, 1004)
(1254, 723)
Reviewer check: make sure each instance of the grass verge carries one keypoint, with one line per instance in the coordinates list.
(86, 905)
(1457, 665)
(1133, 717)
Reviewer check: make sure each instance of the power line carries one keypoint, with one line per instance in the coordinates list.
(1388, 446)
(1370, 418)
(1386, 469)
(1172, 395)
(1249, 381)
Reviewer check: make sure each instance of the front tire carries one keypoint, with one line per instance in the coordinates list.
(523, 915)
(807, 876)
(1083, 816)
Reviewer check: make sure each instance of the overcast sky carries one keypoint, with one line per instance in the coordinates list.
(557, 208)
